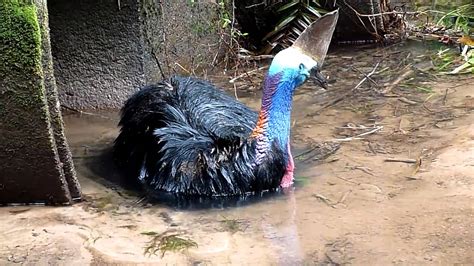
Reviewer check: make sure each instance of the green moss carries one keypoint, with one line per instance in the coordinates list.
(20, 53)
(20, 38)
(170, 240)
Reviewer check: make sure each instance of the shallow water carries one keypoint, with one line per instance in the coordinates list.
(352, 207)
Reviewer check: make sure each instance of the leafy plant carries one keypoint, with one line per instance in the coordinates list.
(295, 17)
(459, 18)
(446, 59)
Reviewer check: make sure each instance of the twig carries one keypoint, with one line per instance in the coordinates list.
(180, 66)
(362, 22)
(255, 57)
(84, 113)
(329, 201)
(397, 81)
(405, 100)
(400, 160)
(366, 170)
(306, 152)
(153, 52)
(246, 73)
(232, 24)
(325, 200)
(357, 137)
(344, 197)
(257, 4)
(417, 166)
(445, 97)
(165, 42)
(394, 12)
(235, 92)
(365, 75)
(347, 180)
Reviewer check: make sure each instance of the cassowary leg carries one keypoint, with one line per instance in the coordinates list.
(287, 179)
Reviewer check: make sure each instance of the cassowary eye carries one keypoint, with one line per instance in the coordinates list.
(302, 66)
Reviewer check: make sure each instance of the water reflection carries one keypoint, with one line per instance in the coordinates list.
(284, 237)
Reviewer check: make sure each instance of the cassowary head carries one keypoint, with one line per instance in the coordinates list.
(304, 59)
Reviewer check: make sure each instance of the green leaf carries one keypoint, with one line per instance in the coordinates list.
(288, 6)
(307, 18)
(314, 11)
(281, 25)
(303, 24)
(316, 2)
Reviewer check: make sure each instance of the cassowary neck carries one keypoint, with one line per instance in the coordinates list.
(274, 118)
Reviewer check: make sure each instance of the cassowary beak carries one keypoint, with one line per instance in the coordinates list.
(318, 78)
(314, 42)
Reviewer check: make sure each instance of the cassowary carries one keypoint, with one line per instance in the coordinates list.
(185, 136)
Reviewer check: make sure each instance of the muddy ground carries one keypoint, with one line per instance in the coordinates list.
(349, 207)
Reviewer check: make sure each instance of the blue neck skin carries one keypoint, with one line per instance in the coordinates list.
(277, 101)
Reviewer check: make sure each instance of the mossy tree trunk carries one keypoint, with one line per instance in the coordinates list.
(35, 161)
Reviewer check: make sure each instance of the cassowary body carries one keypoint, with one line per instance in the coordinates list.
(187, 137)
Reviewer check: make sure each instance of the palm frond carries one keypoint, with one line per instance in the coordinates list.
(295, 17)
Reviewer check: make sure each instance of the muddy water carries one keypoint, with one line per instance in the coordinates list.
(351, 207)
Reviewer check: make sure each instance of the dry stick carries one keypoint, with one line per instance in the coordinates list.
(180, 66)
(445, 98)
(405, 100)
(417, 166)
(395, 12)
(305, 152)
(165, 42)
(400, 160)
(397, 81)
(362, 22)
(325, 200)
(235, 92)
(357, 137)
(365, 75)
(255, 57)
(345, 94)
(347, 180)
(84, 113)
(329, 201)
(364, 169)
(344, 197)
(246, 73)
(153, 52)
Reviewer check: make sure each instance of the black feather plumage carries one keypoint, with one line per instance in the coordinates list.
(185, 136)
